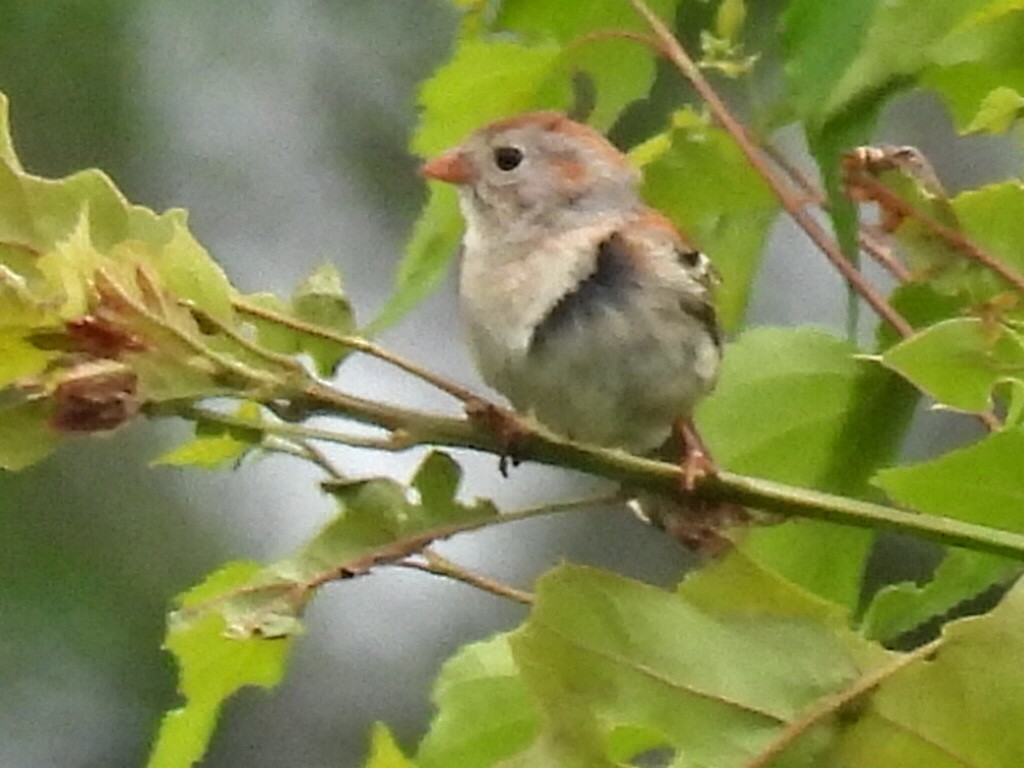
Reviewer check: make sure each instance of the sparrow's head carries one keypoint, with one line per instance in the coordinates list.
(534, 171)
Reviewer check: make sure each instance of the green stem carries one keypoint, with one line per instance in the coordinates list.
(356, 344)
(410, 428)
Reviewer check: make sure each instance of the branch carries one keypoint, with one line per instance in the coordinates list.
(635, 472)
(789, 198)
(958, 240)
(359, 345)
(868, 243)
(296, 592)
(438, 565)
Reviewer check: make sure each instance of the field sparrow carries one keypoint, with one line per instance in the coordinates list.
(583, 306)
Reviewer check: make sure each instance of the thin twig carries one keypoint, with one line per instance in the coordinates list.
(395, 552)
(359, 345)
(674, 52)
(296, 433)
(871, 245)
(891, 201)
(438, 565)
(882, 255)
(105, 283)
(287, 362)
(302, 449)
(830, 705)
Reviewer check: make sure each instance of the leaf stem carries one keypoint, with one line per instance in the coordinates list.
(286, 362)
(295, 433)
(435, 563)
(105, 283)
(357, 344)
(868, 242)
(955, 238)
(830, 705)
(673, 50)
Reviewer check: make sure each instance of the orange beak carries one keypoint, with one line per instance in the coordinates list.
(452, 167)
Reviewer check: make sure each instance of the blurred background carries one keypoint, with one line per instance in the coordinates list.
(282, 128)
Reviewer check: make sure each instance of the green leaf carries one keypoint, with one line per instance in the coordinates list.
(217, 445)
(959, 362)
(997, 111)
(190, 274)
(729, 18)
(983, 483)
(738, 584)
(271, 335)
(212, 667)
(815, 57)
(794, 405)
(921, 306)
(990, 217)
(235, 629)
(485, 80)
(978, 66)
(19, 358)
(727, 215)
(716, 681)
(321, 301)
(620, 70)
(87, 278)
(954, 708)
(993, 217)
(484, 712)
(962, 575)
(7, 155)
(816, 61)
(378, 520)
(434, 242)
(384, 752)
(979, 95)
(901, 38)
(1015, 404)
(377, 515)
(25, 435)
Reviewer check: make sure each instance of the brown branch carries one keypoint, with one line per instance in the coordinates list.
(831, 705)
(297, 591)
(438, 565)
(885, 197)
(674, 52)
(359, 345)
(869, 244)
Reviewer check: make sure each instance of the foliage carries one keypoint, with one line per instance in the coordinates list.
(773, 655)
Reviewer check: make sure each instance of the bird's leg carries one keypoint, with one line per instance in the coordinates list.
(505, 424)
(695, 459)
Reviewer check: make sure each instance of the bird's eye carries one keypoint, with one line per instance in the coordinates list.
(688, 257)
(508, 158)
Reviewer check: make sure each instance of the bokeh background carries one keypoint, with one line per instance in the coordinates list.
(282, 127)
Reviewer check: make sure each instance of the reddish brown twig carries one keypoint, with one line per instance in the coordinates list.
(673, 50)
(889, 200)
(868, 243)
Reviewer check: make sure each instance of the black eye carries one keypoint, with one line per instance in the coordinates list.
(508, 158)
(688, 257)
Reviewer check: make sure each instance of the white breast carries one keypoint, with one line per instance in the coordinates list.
(505, 292)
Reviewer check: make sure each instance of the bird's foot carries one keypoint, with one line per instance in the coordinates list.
(695, 460)
(506, 425)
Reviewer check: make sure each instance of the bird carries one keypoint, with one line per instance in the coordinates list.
(587, 309)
